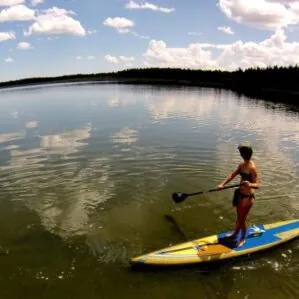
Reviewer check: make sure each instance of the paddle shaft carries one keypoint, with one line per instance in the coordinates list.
(213, 190)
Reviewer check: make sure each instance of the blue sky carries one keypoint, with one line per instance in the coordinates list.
(51, 37)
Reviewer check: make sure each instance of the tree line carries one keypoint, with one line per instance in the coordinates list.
(271, 80)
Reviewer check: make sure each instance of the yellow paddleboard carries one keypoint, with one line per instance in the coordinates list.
(219, 247)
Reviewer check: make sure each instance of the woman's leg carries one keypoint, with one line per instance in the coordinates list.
(245, 206)
(237, 225)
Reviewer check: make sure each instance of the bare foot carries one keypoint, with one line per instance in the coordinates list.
(241, 243)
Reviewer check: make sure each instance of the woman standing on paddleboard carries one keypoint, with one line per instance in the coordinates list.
(244, 196)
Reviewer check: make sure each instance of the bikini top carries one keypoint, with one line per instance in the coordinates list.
(246, 176)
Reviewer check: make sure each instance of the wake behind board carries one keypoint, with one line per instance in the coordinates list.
(219, 247)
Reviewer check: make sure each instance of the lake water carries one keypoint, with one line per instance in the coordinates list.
(87, 173)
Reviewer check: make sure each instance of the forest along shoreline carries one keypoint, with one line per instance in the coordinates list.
(276, 84)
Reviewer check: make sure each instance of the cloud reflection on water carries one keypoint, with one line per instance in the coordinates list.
(181, 105)
(7, 137)
(125, 136)
(31, 124)
(65, 192)
(67, 142)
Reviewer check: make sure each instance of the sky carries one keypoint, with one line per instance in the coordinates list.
(58, 37)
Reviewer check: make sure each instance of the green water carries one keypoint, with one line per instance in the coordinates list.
(87, 173)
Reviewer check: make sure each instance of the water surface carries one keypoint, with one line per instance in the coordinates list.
(86, 179)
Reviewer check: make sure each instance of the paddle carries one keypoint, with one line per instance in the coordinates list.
(179, 197)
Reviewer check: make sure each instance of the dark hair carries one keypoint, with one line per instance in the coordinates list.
(245, 151)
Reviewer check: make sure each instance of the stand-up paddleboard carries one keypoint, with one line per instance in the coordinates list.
(220, 247)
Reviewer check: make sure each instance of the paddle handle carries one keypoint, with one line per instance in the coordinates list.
(212, 190)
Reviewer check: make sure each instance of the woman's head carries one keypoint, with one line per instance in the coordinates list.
(245, 151)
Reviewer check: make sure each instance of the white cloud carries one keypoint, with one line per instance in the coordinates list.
(274, 50)
(295, 8)
(226, 30)
(122, 25)
(283, 1)
(56, 21)
(9, 60)
(111, 59)
(90, 57)
(158, 54)
(36, 2)
(129, 64)
(11, 2)
(4, 36)
(264, 14)
(17, 13)
(140, 36)
(24, 46)
(126, 59)
(93, 31)
(146, 5)
(194, 33)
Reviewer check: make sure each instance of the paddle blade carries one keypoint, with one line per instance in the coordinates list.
(179, 197)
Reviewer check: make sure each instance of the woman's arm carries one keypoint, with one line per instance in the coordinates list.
(230, 177)
(255, 180)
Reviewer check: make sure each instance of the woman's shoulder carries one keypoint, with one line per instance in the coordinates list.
(240, 166)
(245, 167)
(253, 165)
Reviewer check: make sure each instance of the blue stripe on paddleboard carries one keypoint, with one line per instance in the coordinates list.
(267, 237)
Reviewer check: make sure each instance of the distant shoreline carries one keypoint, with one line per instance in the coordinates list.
(274, 84)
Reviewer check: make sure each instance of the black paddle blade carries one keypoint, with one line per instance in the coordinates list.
(179, 197)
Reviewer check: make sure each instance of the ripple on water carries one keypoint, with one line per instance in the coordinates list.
(111, 179)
